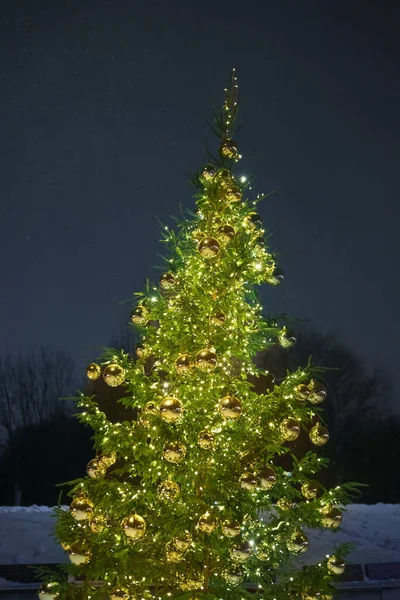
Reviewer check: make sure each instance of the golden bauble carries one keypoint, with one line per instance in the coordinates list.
(49, 590)
(139, 315)
(226, 233)
(208, 172)
(248, 481)
(174, 452)
(267, 477)
(297, 543)
(142, 351)
(310, 490)
(289, 429)
(263, 550)
(206, 359)
(284, 503)
(173, 554)
(118, 593)
(198, 235)
(331, 517)
(79, 554)
(183, 364)
(114, 375)
(286, 338)
(93, 371)
(98, 524)
(168, 490)
(302, 392)
(209, 247)
(228, 149)
(241, 553)
(231, 528)
(205, 440)
(318, 435)
(108, 459)
(318, 392)
(275, 277)
(230, 407)
(183, 542)
(232, 193)
(260, 242)
(234, 576)
(253, 221)
(134, 526)
(81, 508)
(96, 468)
(336, 565)
(167, 281)
(192, 583)
(218, 318)
(224, 177)
(171, 409)
(207, 523)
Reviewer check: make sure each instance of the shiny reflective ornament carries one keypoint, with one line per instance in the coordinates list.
(253, 221)
(218, 318)
(192, 583)
(206, 359)
(168, 490)
(119, 594)
(318, 392)
(183, 543)
(114, 375)
(336, 565)
(318, 435)
(151, 408)
(263, 551)
(302, 392)
(167, 281)
(171, 409)
(142, 351)
(286, 338)
(139, 315)
(230, 407)
(79, 555)
(260, 242)
(267, 477)
(208, 172)
(81, 508)
(93, 371)
(173, 554)
(289, 429)
(233, 194)
(98, 524)
(248, 481)
(183, 364)
(226, 233)
(108, 459)
(297, 543)
(209, 247)
(174, 452)
(241, 553)
(49, 591)
(310, 490)
(231, 528)
(331, 517)
(284, 503)
(205, 440)
(276, 277)
(96, 468)
(228, 149)
(207, 523)
(198, 235)
(134, 526)
(234, 576)
(225, 178)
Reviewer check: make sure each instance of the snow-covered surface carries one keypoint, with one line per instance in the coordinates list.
(26, 535)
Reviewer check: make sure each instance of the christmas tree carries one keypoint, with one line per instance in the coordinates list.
(187, 496)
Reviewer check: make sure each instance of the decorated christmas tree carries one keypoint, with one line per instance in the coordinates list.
(187, 496)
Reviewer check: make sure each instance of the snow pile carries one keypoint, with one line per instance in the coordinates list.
(26, 535)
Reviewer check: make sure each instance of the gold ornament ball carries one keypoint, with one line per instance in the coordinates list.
(142, 351)
(49, 591)
(208, 173)
(267, 477)
(336, 565)
(183, 364)
(230, 407)
(79, 555)
(331, 517)
(151, 408)
(228, 149)
(248, 481)
(183, 543)
(191, 584)
(174, 452)
(233, 194)
(119, 594)
(241, 553)
(218, 318)
(284, 503)
(260, 242)
(276, 277)
(253, 221)
(302, 392)
(134, 526)
(114, 375)
(81, 508)
(318, 392)
(289, 429)
(108, 459)
(310, 490)
(207, 523)
(205, 440)
(171, 409)
(286, 338)
(209, 247)
(224, 177)
(98, 524)
(263, 551)
(198, 235)
(139, 315)
(231, 529)
(93, 371)
(168, 490)
(173, 554)
(96, 468)
(167, 281)
(297, 543)
(226, 233)
(206, 359)
(318, 435)
(234, 576)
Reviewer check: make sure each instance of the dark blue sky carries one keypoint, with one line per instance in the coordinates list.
(102, 114)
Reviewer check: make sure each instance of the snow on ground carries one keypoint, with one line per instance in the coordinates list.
(26, 535)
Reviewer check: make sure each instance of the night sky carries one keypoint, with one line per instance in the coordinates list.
(103, 108)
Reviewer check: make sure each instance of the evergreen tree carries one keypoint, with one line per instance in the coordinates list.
(190, 495)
